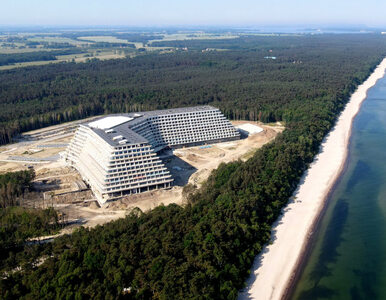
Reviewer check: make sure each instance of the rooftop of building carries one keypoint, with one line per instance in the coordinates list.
(115, 128)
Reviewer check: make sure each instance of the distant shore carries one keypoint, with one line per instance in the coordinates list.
(273, 270)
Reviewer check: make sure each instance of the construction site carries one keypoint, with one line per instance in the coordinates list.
(60, 186)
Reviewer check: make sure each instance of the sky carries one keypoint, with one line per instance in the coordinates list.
(193, 12)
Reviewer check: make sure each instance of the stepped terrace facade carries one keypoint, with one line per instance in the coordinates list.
(117, 154)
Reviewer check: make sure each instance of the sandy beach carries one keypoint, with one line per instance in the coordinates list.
(274, 267)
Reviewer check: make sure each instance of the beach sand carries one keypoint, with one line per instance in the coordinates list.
(274, 268)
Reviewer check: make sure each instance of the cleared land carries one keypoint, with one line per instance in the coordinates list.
(61, 187)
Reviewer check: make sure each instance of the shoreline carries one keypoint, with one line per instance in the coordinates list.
(310, 239)
(276, 268)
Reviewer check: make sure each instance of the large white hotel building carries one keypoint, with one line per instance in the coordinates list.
(117, 154)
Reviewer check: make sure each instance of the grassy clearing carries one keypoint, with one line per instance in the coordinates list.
(111, 55)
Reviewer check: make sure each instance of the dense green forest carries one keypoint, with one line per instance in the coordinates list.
(9, 59)
(13, 185)
(205, 249)
(17, 224)
(240, 82)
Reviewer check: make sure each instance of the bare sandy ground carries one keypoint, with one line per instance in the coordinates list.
(273, 269)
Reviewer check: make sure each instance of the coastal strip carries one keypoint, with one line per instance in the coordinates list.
(274, 269)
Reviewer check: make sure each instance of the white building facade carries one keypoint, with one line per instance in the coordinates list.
(117, 155)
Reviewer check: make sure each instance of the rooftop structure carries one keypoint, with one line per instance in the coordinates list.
(117, 155)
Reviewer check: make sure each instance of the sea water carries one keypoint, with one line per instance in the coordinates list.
(347, 257)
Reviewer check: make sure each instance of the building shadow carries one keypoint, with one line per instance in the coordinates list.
(178, 168)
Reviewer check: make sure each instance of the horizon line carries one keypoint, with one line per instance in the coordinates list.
(197, 26)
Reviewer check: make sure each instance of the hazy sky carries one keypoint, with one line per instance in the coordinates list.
(184, 12)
